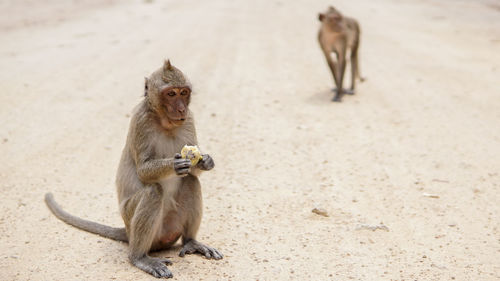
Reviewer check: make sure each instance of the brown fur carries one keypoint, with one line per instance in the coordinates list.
(159, 193)
(338, 35)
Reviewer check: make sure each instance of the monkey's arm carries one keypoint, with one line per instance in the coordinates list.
(152, 170)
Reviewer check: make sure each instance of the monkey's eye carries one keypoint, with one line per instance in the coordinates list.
(184, 92)
(171, 93)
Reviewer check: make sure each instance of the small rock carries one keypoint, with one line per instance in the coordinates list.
(438, 266)
(301, 127)
(430, 195)
(372, 227)
(320, 211)
(440, 180)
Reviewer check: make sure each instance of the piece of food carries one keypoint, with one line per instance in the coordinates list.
(192, 153)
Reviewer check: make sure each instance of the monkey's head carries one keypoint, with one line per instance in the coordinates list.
(168, 92)
(331, 17)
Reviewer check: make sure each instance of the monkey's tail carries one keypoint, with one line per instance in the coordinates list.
(114, 233)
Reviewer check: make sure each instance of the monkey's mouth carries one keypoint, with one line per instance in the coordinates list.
(178, 120)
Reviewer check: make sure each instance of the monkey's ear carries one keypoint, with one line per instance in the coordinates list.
(145, 86)
(321, 17)
(167, 65)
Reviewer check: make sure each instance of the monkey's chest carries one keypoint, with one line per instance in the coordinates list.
(167, 146)
(169, 149)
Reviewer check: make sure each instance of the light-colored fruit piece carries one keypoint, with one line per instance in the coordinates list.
(192, 153)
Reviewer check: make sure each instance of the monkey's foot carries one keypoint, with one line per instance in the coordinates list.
(336, 99)
(194, 246)
(154, 266)
(344, 91)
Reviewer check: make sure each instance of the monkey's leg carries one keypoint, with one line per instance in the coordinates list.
(331, 64)
(191, 203)
(335, 71)
(354, 68)
(344, 91)
(355, 62)
(146, 208)
(340, 76)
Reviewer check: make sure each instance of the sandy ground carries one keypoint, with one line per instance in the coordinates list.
(427, 120)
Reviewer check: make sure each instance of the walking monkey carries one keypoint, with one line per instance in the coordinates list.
(158, 191)
(338, 35)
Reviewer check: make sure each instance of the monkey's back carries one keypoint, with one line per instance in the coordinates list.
(127, 181)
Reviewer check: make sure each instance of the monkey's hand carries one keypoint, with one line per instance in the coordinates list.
(182, 166)
(206, 163)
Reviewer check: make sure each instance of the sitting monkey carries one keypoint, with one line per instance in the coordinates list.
(159, 192)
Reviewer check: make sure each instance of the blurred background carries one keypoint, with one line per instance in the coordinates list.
(416, 151)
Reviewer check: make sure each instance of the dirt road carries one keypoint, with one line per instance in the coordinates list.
(427, 121)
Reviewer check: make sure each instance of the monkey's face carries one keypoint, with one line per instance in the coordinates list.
(332, 16)
(175, 102)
